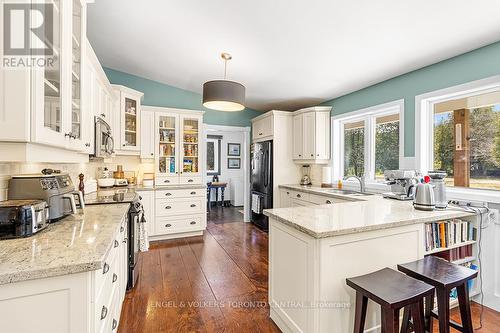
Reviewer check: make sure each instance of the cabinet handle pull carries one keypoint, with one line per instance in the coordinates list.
(140, 198)
(260, 133)
(317, 154)
(193, 193)
(328, 202)
(192, 222)
(168, 194)
(124, 145)
(152, 154)
(103, 115)
(116, 243)
(287, 192)
(87, 144)
(168, 225)
(104, 312)
(193, 205)
(115, 277)
(115, 323)
(105, 269)
(300, 155)
(167, 181)
(125, 240)
(168, 207)
(122, 228)
(190, 180)
(312, 155)
(298, 195)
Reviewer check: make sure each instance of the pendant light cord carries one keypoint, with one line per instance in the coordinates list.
(225, 68)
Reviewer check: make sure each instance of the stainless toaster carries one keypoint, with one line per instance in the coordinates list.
(22, 218)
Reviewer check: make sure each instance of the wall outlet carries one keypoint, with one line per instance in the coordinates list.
(493, 216)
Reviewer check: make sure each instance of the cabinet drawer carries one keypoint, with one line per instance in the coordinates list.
(172, 225)
(190, 180)
(166, 207)
(322, 200)
(187, 193)
(103, 275)
(300, 203)
(298, 195)
(104, 303)
(167, 180)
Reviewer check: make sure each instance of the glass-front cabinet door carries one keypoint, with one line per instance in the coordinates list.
(76, 70)
(167, 139)
(191, 134)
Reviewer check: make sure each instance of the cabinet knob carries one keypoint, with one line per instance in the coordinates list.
(190, 180)
(115, 277)
(298, 195)
(193, 205)
(287, 192)
(123, 145)
(260, 133)
(328, 202)
(166, 181)
(168, 225)
(312, 155)
(317, 154)
(168, 207)
(105, 269)
(87, 144)
(103, 115)
(193, 193)
(116, 243)
(192, 222)
(152, 154)
(168, 194)
(140, 198)
(122, 228)
(104, 312)
(300, 155)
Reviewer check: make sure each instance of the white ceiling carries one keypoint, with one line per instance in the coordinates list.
(288, 53)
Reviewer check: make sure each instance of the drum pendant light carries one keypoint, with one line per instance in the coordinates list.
(224, 95)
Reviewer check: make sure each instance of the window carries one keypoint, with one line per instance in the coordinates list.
(466, 145)
(369, 141)
(213, 154)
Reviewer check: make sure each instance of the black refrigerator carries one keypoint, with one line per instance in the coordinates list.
(262, 181)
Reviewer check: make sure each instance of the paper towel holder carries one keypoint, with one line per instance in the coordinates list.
(326, 177)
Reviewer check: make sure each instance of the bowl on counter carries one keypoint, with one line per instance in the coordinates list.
(106, 182)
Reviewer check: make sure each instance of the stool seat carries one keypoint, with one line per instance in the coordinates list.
(438, 272)
(390, 288)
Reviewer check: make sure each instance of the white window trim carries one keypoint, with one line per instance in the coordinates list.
(362, 114)
(424, 131)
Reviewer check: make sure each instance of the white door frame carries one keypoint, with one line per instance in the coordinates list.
(209, 129)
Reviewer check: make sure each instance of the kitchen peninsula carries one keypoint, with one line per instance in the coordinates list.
(313, 249)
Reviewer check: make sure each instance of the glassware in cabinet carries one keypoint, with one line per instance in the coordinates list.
(167, 134)
(190, 145)
(130, 122)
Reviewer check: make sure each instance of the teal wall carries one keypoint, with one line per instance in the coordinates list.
(474, 65)
(159, 94)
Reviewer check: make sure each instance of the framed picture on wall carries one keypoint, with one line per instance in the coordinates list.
(233, 163)
(233, 149)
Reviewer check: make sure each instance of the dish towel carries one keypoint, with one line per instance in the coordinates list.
(256, 206)
(143, 236)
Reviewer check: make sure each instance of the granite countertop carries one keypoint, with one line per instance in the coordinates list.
(366, 214)
(75, 244)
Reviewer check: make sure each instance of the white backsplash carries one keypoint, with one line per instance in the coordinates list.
(129, 163)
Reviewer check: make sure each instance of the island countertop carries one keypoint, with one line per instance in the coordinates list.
(366, 214)
(75, 244)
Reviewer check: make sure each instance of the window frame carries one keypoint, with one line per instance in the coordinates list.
(369, 116)
(424, 131)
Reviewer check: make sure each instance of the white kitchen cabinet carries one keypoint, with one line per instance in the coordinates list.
(44, 105)
(263, 127)
(295, 198)
(147, 198)
(127, 133)
(147, 134)
(179, 147)
(311, 130)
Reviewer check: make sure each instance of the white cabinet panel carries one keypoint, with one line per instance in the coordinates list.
(147, 134)
(262, 129)
(298, 137)
(309, 135)
(322, 135)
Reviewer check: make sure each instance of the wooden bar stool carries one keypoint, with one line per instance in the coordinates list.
(444, 276)
(392, 291)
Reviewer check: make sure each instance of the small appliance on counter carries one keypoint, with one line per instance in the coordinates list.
(22, 218)
(104, 178)
(437, 181)
(55, 189)
(121, 182)
(306, 179)
(424, 197)
(401, 182)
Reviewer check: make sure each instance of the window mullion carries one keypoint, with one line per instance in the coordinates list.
(369, 148)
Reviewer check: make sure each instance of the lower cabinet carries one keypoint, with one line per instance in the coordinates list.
(175, 212)
(292, 198)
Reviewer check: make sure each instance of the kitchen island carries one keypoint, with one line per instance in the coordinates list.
(313, 249)
(69, 277)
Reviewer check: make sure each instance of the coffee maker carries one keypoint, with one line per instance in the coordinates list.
(401, 182)
(439, 187)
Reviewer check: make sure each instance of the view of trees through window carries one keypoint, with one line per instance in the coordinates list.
(386, 144)
(354, 149)
(483, 146)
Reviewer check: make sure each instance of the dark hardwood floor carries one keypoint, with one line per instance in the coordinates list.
(214, 283)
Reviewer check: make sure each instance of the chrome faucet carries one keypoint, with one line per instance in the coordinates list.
(361, 181)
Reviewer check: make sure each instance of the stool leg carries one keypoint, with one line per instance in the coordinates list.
(417, 313)
(464, 304)
(360, 313)
(443, 299)
(390, 320)
(429, 306)
(405, 326)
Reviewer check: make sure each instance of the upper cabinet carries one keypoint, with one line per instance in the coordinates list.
(147, 133)
(43, 105)
(179, 147)
(128, 122)
(263, 127)
(311, 135)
